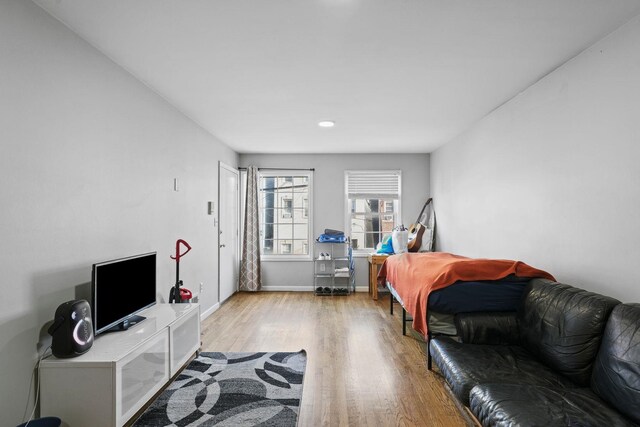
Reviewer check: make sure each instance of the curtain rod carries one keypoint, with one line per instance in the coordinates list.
(279, 169)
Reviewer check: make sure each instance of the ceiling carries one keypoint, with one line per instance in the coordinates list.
(395, 75)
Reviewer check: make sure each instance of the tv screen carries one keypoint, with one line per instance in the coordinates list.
(121, 288)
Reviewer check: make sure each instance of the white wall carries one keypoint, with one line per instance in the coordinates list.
(553, 176)
(88, 156)
(328, 202)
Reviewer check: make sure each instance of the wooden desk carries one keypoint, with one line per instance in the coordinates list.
(375, 260)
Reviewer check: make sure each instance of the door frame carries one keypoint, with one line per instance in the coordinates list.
(222, 165)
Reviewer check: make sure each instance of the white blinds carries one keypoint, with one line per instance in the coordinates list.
(373, 184)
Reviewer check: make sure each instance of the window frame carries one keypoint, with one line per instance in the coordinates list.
(273, 173)
(363, 252)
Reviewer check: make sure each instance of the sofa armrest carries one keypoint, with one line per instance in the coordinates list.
(488, 328)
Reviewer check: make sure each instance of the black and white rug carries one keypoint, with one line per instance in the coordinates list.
(232, 389)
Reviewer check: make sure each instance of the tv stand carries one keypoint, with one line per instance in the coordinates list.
(121, 372)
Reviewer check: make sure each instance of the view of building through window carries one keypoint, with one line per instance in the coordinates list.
(284, 207)
(371, 221)
(372, 206)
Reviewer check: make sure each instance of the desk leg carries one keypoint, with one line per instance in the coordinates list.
(374, 280)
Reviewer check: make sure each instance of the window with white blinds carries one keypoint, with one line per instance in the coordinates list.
(372, 206)
(380, 184)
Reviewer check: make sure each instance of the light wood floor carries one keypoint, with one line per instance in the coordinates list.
(361, 370)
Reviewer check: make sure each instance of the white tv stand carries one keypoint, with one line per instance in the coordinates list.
(107, 385)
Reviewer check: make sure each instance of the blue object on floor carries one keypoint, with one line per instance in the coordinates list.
(43, 422)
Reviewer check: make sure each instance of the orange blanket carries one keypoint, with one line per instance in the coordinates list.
(415, 275)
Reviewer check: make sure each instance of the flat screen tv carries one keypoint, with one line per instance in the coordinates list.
(120, 289)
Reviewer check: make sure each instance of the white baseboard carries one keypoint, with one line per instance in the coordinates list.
(304, 288)
(209, 311)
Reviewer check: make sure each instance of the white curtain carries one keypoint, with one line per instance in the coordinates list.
(250, 263)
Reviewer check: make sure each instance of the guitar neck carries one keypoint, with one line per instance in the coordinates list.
(423, 208)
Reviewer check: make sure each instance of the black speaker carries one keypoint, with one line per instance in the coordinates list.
(72, 329)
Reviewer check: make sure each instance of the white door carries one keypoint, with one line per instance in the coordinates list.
(228, 231)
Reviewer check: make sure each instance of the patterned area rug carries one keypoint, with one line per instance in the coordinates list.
(232, 389)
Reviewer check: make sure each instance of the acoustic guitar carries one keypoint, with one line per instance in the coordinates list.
(417, 230)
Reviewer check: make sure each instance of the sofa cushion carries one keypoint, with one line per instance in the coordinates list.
(562, 326)
(488, 328)
(466, 365)
(527, 405)
(616, 374)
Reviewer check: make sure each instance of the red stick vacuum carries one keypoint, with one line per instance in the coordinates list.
(177, 294)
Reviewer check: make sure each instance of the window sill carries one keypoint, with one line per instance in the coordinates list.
(363, 253)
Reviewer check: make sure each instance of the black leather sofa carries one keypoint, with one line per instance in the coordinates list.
(568, 357)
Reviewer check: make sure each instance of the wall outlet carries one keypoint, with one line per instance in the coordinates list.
(201, 287)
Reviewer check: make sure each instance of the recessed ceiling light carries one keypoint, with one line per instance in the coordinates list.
(327, 124)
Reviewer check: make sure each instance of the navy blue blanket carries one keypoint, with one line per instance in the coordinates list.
(465, 297)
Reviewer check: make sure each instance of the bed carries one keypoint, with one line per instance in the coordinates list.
(433, 287)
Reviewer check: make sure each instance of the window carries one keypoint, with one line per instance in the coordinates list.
(287, 207)
(373, 206)
(285, 223)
